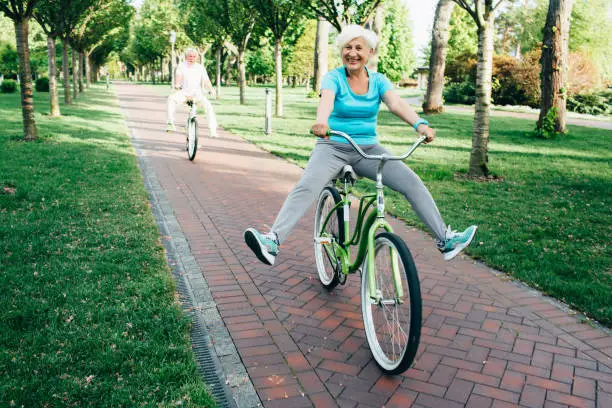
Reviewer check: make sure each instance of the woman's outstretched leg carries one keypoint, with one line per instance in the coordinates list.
(325, 162)
(399, 177)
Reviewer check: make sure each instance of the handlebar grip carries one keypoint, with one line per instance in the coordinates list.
(328, 133)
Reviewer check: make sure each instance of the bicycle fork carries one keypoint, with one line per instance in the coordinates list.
(380, 222)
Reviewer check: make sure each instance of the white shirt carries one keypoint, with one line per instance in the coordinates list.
(193, 78)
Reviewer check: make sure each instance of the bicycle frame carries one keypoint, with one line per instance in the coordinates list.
(193, 108)
(374, 221)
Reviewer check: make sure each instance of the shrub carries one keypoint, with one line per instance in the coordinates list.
(517, 82)
(461, 67)
(505, 90)
(582, 75)
(8, 86)
(463, 92)
(42, 84)
(547, 131)
(526, 77)
(596, 103)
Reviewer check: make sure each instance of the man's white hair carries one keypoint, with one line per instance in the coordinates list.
(352, 31)
(192, 51)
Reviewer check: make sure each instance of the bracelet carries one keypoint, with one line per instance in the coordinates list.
(421, 121)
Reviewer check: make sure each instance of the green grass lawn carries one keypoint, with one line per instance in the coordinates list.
(89, 311)
(548, 221)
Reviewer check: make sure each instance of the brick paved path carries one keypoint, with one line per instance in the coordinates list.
(486, 342)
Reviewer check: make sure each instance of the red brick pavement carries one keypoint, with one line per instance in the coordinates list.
(486, 342)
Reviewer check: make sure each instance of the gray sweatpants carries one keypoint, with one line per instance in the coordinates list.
(326, 161)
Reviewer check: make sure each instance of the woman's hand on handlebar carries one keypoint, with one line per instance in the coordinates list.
(320, 130)
(428, 132)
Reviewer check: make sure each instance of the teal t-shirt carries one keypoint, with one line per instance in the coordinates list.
(353, 114)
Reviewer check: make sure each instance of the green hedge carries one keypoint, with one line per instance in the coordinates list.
(42, 84)
(8, 86)
(595, 103)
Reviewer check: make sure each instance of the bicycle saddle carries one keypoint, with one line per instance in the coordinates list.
(347, 173)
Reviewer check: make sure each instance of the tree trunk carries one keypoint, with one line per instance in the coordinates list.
(241, 75)
(66, 72)
(81, 64)
(320, 53)
(377, 26)
(505, 37)
(25, 79)
(161, 69)
(87, 70)
(75, 74)
(554, 62)
(278, 65)
(54, 109)
(480, 138)
(439, 40)
(228, 69)
(218, 72)
(93, 71)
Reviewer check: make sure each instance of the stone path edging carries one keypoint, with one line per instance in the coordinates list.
(237, 388)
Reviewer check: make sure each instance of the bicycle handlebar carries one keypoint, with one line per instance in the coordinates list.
(363, 154)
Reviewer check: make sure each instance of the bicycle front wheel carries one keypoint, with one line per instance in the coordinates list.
(192, 138)
(392, 323)
(328, 263)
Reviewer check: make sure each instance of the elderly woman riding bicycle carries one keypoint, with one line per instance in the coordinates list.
(350, 101)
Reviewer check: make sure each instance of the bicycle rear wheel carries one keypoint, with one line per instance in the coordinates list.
(328, 264)
(192, 138)
(392, 324)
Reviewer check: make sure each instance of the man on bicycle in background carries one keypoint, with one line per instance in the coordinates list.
(191, 79)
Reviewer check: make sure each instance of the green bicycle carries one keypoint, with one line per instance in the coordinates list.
(390, 289)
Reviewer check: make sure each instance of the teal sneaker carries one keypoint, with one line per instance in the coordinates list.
(456, 241)
(264, 246)
(170, 127)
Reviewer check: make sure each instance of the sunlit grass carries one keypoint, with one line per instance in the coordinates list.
(89, 314)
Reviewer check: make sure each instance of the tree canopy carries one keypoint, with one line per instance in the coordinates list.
(342, 12)
(396, 58)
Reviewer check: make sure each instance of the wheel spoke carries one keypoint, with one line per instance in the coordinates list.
(388, 321)
(331, 261)
(325, 254)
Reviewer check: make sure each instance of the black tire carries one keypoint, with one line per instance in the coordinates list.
(393, 349)
(192, 138)
(327, 268)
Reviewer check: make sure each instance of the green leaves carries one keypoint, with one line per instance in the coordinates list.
(396, 58)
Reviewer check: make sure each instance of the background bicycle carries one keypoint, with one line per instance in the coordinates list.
(191, 129)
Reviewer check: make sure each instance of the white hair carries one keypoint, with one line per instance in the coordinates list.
(352, 31)
(192, 51)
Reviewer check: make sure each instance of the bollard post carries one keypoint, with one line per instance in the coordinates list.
(268, 128)
(107, 81)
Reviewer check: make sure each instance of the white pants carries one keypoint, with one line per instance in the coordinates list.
(179, 97)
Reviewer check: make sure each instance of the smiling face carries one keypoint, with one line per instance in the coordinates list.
(190, 57)
(356, 53)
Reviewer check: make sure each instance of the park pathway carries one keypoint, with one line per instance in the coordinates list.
(283, 341)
